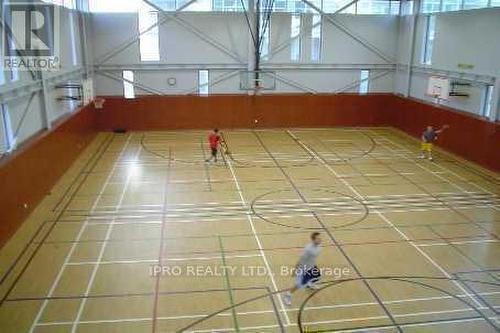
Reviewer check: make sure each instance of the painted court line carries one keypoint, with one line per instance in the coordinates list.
(428, 257)
(257, 239)
(104, 262)
(443, 168)
(228, 313)
(101, 252)
(482, 241)
(432, 261)
(73, 247)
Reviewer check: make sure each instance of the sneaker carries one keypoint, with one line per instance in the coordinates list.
(431, 159)
(422, 156)
(287, 298)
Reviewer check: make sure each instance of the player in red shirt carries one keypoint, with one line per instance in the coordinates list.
(213, 140)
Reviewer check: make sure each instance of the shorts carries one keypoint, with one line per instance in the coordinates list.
(426, 146)
(214, 151)
(304, 277)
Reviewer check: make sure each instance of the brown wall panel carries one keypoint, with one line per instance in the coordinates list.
(29, 174)
(239, 111)
(176, 112)
(471, 137)
(322, 110)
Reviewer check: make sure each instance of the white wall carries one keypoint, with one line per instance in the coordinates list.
(461, 37)
(466, 37)
(28, 116)
(179, 45)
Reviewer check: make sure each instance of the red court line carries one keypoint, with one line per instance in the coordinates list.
(25, 248)
(116, 295)
(162, 230)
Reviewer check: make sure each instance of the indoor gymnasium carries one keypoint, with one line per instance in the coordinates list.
(250, 166)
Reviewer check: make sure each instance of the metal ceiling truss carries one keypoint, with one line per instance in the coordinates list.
(135, 84)
(19, 89)
(478, 79)
(252, 16)
(173, 67)
(165, 17)
(352, 34)
(155, 91)
(303, 32)
(213, 82)
(327, 67)
(268, 66)
(23, 117)
(356, 83)
(292, 83)
(135, 38)
(203, 36)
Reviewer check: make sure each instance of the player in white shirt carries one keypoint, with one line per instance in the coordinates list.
(304, 268)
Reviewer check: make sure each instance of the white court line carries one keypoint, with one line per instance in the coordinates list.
(450, 321)
(73, 247)
(439, 267)
(309, 308)
(101, 252)
(139, 261)
(240, 218)
(464, 194)
(432, 261)
(259, 244)
(345, 320)
(459, 243)
(442, 168)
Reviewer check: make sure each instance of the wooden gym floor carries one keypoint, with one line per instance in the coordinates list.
(409, 245)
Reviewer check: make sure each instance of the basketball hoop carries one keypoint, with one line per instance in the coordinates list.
(258, 90)
(99, 102)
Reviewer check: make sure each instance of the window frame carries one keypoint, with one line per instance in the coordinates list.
(487, 101)
(204, 88)
(148, 52)
(319, 51)
(364, 82)
(296, 43)
(128, 87)
(9, 138)
(429, 37)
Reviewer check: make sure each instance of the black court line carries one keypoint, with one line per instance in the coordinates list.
(478, 271)
(247, 164)
(227, 284)
(373, 145)
(404, 280)
(344, 244)
(476, 294)
(364, 211)
(361, 174)
(119, 295)
(276, 311)
(51, 227)
(405, 324)
(162, 233)
(451, 159)
(425, 190)
(164, 157)
(460, 251)
(235, 251)
(82, 172)
(332, 238)
(281, 233)
(334, 282)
